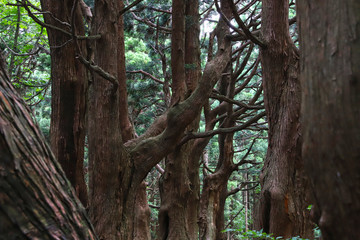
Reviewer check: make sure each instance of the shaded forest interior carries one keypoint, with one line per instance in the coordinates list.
(179, 119)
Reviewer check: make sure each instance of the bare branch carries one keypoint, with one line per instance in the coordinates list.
(243, 159)
(229, 100)
(129, 7)
(159, 10)
(35, 51)
(147, 74)
(151, 24)
(41, 23)
(99, 70)
(243, 27)
(159, 168)
(191, 135)
(153, 206)
(240, 188)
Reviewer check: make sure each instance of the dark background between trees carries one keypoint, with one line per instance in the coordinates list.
(179, 119)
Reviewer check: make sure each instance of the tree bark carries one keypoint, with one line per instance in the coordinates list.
(180, 185)
(142, 210)
(107, 156)
(285, 191)
(142, 215)
(116, 173)
(36, 199)
(213, 199)
(193, 75)
(330, 73)
(68, 93)
(174, 185)
(213, 196)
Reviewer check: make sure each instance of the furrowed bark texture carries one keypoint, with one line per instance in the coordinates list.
(178, 51)
(214, 195)
(193, 75)
(127, 131)
(180, 185)
(142, 210)
(330, 78)
(36, 199)
(108, 161)
(68, 96)
(174, 185)
(285, 189)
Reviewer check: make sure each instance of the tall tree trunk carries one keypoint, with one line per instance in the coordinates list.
(107, 156)
(180, 186)
(68, 95)
(330, 75)
(174, 185)
(214, 191)
(36, 199)
(193, 75)
(142, 210)
(285, 191)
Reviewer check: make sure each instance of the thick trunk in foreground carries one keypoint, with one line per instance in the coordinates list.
(330, 77)
(36, 199)
(68, 96)
(285, 190)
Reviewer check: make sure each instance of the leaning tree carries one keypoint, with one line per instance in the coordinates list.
(36, 199)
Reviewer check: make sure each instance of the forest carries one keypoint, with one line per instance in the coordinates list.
(182, 119)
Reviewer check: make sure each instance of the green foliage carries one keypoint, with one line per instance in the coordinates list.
(145, 97)
(259, 235)
(136, 54)
(24, 43)
(317, 232)
(90, 3)
(42, 115)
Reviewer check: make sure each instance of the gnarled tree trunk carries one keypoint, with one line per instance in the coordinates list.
(180, 185)
(285, 191)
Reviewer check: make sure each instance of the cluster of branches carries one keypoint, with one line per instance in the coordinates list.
(236, 98)
(236, 102)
